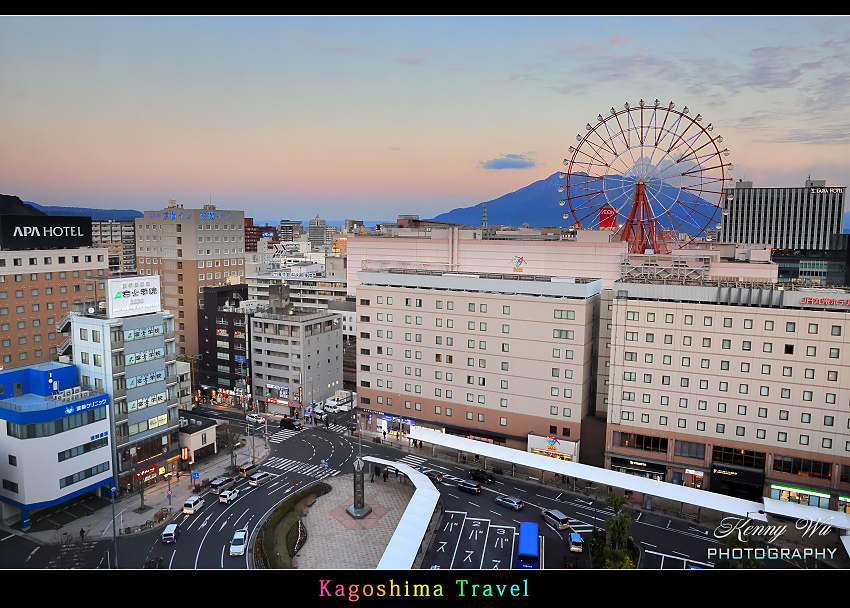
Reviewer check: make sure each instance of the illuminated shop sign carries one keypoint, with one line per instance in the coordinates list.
(186, 215)
(826, 190)
(132, 296)
(142, 332)
(133, 382)
(75, 408)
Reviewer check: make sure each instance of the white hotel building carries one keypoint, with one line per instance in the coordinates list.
(505, 358)
(737, 388)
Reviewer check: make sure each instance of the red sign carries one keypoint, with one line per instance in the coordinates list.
(184, 453)
(300, 396)
(277, 401)
(148, 471)
(607, 217)
(828, 301)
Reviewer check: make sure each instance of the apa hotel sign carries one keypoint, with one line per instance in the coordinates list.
(19, 232)
(130, 296)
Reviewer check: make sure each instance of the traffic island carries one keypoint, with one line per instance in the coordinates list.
(284, 532)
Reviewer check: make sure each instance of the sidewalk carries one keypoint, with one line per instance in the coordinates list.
(128, 515)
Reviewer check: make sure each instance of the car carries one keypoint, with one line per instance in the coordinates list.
(435, 475)
(511, 502)
(171, 533)
(480, 476)
(576, 543)
(292, 425)
(331, 408)
(344, 407)
(239, 542)
(153, 563)
(228, 496)
(468, 486)
(254, 418)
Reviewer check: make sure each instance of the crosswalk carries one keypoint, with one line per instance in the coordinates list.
(285, 434)
(285, 465)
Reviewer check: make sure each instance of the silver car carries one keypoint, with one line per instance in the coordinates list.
(511, 502)
(239, 542)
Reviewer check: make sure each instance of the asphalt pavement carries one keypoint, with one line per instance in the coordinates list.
(329, 532)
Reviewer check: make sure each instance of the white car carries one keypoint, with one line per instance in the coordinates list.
(228, 496)
(239, 542)
(331, 408)
(344, 407)
(254, 418)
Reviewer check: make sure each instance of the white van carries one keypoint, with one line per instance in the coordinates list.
(193, 504)
(258, 479)
(248, 469)
(556, 519)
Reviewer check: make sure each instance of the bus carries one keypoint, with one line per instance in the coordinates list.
(528, 552)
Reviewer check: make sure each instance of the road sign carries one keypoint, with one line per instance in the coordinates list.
(169, 493)
(196, 475)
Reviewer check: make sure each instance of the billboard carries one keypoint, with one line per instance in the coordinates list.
(128, 296)
(607, 217)
(44, 232)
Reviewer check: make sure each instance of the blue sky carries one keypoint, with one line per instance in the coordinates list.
(371, 117)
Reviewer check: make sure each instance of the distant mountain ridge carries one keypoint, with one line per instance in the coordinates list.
(95, 214)
(537, 205)
(12, 205)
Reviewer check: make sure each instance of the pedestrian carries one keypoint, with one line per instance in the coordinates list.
(373, 477)
(82, 533)
(386, 474)
(385, 435)
(377, 470)
(396, 472)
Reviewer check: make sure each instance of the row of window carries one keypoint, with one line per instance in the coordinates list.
(707, 321)
(60, 259)
(450, 305)
(48, 276)
(720, 428)
(54, 427)
(23, 356)
(726, 344)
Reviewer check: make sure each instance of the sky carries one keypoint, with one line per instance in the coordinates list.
(370, 117)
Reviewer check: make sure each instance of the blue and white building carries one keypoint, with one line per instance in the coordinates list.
(55, 443)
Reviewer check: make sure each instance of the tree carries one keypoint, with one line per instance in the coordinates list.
(228, 435)
(615, 501)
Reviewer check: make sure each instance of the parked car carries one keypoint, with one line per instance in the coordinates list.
(240, 540)
(254, 418)
(435, 475)
(480, 476)
(228, 496)
(331, 408)
(511, 502)
(344, 407)
(468, 486)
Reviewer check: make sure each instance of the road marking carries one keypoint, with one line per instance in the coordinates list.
(31, 554)
(8, 537)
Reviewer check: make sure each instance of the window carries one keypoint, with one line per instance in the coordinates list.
(813, 328)
(768, 325)
(836, 330)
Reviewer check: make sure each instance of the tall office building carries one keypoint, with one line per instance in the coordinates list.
(119, 237)
(188, 249)
(295, 355)
(784, 218)
(55, 440)
(47, 265)
(253, 234)
(732, 387)
(289, 230)
(125, 347)
(223, 341)
(317, 232)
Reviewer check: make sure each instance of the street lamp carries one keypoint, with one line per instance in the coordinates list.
(113, 489)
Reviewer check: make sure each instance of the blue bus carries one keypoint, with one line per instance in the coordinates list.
(528, 552)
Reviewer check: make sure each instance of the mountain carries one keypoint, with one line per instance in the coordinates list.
(12, 205)
(538, 205)
(95, 214)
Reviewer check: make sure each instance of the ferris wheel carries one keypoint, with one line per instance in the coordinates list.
(651, 173)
